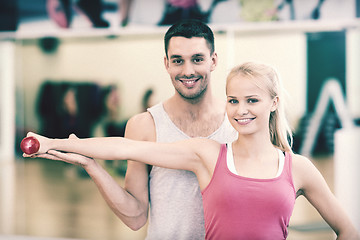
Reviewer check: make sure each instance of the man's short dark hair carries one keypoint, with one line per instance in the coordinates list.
(188, 29)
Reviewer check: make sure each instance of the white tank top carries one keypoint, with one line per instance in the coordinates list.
(231, 163)
(176, 210)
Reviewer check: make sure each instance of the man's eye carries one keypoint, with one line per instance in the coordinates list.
(177, 61)
(197, 60)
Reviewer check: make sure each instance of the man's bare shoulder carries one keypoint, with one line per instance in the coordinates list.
(141, 127)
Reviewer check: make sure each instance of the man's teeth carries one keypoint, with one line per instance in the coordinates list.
(188, 81)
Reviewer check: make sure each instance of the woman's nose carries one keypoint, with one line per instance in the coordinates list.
(242, 109)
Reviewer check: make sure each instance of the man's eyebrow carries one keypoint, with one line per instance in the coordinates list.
(175, 56)
(198, 55)
(193, 56)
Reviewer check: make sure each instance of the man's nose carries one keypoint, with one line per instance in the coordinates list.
(188, 69)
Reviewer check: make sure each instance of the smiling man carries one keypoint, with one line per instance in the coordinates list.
(176, 210)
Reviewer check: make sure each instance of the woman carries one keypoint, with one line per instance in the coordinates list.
(249, 186)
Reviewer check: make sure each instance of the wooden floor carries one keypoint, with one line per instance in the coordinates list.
(56, 200)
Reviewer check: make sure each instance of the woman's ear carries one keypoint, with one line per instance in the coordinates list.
(275, 104)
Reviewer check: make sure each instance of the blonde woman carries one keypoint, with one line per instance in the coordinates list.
(249, 186)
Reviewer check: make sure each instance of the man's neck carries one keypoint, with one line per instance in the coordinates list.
(199, 119)
(194, 108)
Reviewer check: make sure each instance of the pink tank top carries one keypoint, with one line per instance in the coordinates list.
(237, 207)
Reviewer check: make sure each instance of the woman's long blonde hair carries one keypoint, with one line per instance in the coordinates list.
(268, 79)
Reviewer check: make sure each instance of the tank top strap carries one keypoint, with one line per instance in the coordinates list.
(222, 158)
(166, 130)
(288, 163)
(288, 168)
(158, 114)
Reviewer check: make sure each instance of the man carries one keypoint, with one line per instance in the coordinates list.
(174, 196)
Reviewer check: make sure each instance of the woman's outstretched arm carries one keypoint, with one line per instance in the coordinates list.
(184, 154)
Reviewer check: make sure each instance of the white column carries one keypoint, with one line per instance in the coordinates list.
(7, 136)
(347, 171)
(7, 100)
(230, 36)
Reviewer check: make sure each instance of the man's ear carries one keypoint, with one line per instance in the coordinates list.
(166, 62)
(214, 59)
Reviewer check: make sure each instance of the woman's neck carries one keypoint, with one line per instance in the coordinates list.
(253, 144)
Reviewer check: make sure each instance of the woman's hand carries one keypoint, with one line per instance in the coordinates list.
(44, 144)
(72, 158)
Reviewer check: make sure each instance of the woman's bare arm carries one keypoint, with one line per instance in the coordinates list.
(315, 189)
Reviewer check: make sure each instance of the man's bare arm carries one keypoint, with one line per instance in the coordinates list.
(130, 203)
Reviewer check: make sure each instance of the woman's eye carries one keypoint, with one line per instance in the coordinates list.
(233, 101)
(252, 100)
